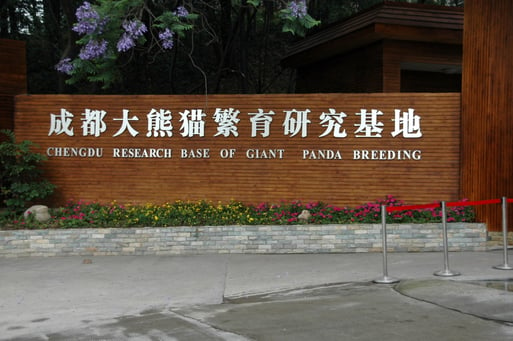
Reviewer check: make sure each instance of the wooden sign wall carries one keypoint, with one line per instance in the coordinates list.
(413, 155)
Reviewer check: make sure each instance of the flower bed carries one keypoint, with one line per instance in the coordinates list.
(80, 214)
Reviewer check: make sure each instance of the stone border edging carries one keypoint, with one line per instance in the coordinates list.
(253, 239)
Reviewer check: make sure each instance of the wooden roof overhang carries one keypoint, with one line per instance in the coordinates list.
(395, 21)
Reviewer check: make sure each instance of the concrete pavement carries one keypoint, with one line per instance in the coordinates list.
(255, 297)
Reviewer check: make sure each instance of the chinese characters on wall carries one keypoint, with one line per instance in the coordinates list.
(162, 123)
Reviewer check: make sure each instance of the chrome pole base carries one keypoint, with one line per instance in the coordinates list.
(503, 267)
(446, 273)
(386, 280)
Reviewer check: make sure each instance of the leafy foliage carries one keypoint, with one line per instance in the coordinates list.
(110, 29)
(234, 46)
(296, 18)
(204, 213)
(20, 174)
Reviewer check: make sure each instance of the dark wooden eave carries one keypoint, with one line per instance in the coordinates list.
(390, 20)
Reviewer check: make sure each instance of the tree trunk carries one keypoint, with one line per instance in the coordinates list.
(68, 39)
(243, 47)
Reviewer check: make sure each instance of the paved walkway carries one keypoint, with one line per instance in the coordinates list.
(255, 297)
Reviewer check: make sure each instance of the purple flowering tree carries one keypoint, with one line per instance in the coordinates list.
(113, 31)
(296, 18)
(109, 29)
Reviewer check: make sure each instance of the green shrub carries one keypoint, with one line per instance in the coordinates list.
(20, 175)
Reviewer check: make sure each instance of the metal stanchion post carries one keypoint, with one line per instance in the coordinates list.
(446, 272)
(385, 279)
(505, 265)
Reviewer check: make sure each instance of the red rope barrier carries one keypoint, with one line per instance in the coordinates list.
(412, 207)
(448, 204)
(509, 200)
(473, 203)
